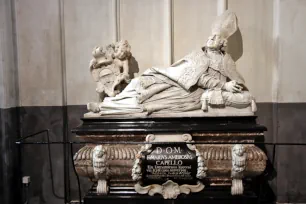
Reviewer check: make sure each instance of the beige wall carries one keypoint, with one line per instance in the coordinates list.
(144, 25)
(38, 51)
(263, 47)
(192, 21)
(292, 51)
(255, 18)
(86, 26)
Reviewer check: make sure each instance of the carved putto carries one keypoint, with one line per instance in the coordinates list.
(203, 83)
(238, 161)
(238, 168)
(100, 168)
(110, 70)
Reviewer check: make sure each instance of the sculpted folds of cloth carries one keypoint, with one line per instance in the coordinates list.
(200, 83)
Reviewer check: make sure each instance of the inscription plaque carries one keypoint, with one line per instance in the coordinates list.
(170, 162)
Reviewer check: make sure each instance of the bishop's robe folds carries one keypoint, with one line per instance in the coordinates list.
(177, 88)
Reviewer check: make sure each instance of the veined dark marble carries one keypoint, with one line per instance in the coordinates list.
(168, 125)
(212, 195)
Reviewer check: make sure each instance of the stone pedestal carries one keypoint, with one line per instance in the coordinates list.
(191, 156)
(211, 195)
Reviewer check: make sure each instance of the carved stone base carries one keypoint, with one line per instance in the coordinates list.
(121, 158)
(222, 165)
(102, 187)
(169, 190)
(237, 187)
(210, 194)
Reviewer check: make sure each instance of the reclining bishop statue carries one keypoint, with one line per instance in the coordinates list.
(203, 83)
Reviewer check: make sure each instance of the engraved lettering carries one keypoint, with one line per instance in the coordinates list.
(159, 150)
(168, 150)
(177, 150)
(175, 162)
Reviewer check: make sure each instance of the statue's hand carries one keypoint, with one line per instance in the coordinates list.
(233, 86)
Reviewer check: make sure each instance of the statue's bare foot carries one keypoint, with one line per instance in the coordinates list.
(93, 107)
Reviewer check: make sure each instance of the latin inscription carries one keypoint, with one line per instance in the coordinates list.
(177, 163)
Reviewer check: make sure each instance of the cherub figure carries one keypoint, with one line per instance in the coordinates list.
(110, 69)
(121, 60)
(238, 161)
(100, 168)
(238, 167)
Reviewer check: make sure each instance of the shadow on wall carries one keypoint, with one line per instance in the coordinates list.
(235, 45)
(134, 67)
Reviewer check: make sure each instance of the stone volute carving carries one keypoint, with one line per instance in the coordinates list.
(100, 169)
(202, 169)
(110, 70)
(238, 167)
(203, 83)
(136, 170)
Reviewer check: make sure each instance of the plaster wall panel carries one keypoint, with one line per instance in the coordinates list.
(8, 70)
(144, 25)
(87, 24)
(191, 24)
(292, 70)
(252, 45)
(39, 53)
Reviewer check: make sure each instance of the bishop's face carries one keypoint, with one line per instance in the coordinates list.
(214, 42)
